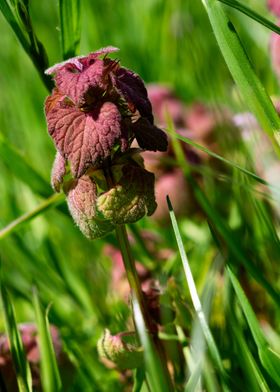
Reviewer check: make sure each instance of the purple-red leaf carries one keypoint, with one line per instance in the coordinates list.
(134, 91)
(58, 171)
(80, 61)
(149, 137)
(85, 139)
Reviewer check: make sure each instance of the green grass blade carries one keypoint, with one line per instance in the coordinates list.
(49, 369)
(22, 169)
(69, 11)
(269, 359)
(252, 14)
(51, 202)
(11, 19)
(155, 377)
(233, 244)
(239, 65)
(20, 21)
(220, 158)
(196, 374)
(255, 379)
(218, 222)
(138, 379)
(20, 363)
(195, 298)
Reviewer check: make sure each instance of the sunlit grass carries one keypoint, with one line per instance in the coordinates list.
(220, 318)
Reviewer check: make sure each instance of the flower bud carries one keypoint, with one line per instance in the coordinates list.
(122, 349)
(131, 198)
(81, 199)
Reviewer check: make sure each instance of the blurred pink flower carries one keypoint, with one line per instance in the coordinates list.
(274, 6)
(195, 122)
(275, 52)
(29, 337)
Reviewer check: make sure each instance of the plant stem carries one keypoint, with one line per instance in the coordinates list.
(132, 275)
(137, 295)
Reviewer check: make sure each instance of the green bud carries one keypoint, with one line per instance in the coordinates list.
(122, 349)
(131, 198)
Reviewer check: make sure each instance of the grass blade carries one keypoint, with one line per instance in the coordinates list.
(51, 202)
(69, 11)
(252, 372)
(220, 158)
(269, 359)
(242, 71)
(195, 298)
(49, 369)
(11, 19)
(218, 222)
(155, 377)
(20, 363)
(19, 166)
(252, 14)
(20, 21)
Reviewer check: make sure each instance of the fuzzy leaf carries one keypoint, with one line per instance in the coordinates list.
(85, 139)
(134, 91)
(78, 59)
(58, 171)
(149, 137)
(131, 198)
(75, 82)
(81, 199)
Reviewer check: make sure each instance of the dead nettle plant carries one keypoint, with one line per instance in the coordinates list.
(95, 112)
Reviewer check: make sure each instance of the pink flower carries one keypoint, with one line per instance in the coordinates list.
(29, 336)
(275, 52)
(274, 6)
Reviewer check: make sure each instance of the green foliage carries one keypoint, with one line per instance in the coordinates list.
(70, 24)
(49, 369)
(21, 365)
(242, 70)
(219, 315)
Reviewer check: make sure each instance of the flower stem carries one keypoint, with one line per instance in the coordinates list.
(137, 295)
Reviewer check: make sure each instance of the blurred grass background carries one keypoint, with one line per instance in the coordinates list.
(167, 42)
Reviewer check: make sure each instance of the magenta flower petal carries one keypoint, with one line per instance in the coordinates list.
(85, 139)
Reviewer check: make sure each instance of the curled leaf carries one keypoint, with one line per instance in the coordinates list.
(131, 198)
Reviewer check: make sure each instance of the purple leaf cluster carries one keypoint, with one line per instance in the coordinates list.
(95, 112)
(96, 106)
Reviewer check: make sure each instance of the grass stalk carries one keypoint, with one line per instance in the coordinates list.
(139, 301)
(52, 201)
